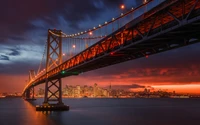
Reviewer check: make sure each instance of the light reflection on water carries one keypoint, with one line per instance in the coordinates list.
(16, 111)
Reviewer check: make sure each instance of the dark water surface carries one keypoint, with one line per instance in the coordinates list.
(16, 111)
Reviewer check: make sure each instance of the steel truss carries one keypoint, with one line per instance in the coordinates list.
(53, 95)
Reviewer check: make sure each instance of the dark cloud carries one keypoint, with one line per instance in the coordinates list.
(14, 52)
(17, 38)
(3, 57)
(138, 2)
(17, 16)
(22, 68)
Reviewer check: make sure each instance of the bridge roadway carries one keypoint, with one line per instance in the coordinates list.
(172, 24)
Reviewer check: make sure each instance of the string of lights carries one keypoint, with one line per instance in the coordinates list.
(63, 35)
(145, 2)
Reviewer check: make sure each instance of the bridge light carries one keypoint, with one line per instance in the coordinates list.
(144, 1)
(147, 56)
(90, 33)
(112, 53)
(74, 46)
(122, 6)
(63, 54)
(63, 72)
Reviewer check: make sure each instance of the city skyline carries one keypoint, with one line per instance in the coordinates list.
(95, 91)
(180, 89)
(22, 42)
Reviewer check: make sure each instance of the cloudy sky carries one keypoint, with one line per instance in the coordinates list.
(24, 25)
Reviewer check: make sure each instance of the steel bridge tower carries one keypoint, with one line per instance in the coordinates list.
(30, 93)
(53, 87)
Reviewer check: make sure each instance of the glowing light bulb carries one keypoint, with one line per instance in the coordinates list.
(90, 33)
(74, 46)
(122, 6)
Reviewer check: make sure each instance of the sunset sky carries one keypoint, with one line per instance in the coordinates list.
(24, 25)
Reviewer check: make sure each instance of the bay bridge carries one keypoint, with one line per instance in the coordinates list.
(169, 25)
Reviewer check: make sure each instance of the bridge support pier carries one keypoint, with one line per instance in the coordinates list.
(53, 97)
(30, 94)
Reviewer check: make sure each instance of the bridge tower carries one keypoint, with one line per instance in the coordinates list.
(30, 93)
(53, 86)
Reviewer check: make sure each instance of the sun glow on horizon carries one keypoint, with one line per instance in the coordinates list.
(184, 88)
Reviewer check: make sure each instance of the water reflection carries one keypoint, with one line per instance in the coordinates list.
(103, 112)
(34, 117)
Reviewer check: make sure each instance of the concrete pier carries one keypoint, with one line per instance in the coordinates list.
(52, 107)
(29, 99)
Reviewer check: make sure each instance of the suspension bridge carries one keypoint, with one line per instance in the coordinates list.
(169, 25)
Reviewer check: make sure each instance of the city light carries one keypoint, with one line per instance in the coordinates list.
(63, 54)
